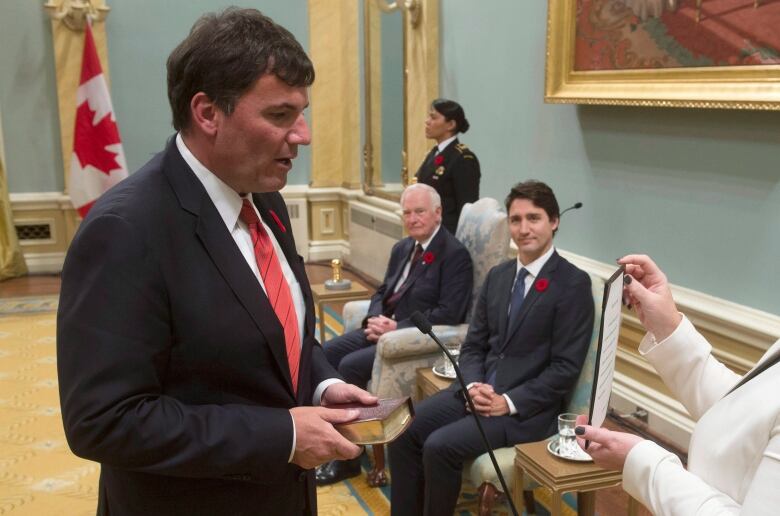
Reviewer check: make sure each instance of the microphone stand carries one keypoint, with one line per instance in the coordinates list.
(424, 326)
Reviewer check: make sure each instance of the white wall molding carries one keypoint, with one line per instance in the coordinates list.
(29, 201)
(328, 249)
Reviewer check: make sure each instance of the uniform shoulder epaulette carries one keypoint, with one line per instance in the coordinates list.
(464, 150)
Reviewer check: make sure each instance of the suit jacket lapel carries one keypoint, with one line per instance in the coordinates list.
(222, 249)
(406, 253)
(531, 298)
(758, 369)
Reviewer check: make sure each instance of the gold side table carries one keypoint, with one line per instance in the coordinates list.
(429, 384)
(562, 476)
(323, 296)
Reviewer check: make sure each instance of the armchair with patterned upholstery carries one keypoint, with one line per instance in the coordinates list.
(482, 229)
(479, 473)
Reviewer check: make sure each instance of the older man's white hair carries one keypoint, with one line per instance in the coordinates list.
(434, 195)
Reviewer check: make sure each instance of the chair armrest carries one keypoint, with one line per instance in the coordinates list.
(353, 314)
(408, 342)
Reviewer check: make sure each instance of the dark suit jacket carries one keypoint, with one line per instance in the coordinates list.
(441, 289)
(172, 365)
(539, 356)
(456, 180)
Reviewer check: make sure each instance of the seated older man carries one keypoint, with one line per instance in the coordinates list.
(429, 271)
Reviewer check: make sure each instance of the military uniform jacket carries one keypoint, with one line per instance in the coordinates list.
(455, 176)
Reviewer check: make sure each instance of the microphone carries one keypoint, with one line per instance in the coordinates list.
(424, 326)
(576, 206)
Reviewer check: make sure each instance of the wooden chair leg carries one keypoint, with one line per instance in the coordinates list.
(487, 496)
(377, 477)
(530, 502)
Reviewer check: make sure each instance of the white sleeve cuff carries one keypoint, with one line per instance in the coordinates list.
(640, 468)
(292, 452)
(317, 397)
(649, 343)
(512, 409)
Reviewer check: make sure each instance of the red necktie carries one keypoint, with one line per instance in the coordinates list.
(276, 287)
(392, 301)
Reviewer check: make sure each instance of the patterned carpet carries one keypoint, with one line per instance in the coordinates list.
(38, 473)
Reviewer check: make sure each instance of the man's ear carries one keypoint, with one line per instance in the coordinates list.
(554, 223)
(205, 115)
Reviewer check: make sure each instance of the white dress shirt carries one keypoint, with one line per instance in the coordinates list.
(228, 203)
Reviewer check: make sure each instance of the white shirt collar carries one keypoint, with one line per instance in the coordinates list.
(430, 238)
(443, 145)
(226, 200)
(535, 267)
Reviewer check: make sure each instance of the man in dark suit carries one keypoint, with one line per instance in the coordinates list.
(526, 344)
(429, 271)
(186, 357)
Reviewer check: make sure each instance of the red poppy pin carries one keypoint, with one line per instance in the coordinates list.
(428, 258)
(541, 284)
(277, 220)
(438, 160)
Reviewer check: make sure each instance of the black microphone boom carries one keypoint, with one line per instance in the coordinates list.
(424, 326)
(576, 206)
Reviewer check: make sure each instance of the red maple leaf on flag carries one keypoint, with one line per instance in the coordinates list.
(90, 141)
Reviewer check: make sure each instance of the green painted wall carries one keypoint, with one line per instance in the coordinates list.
(141, 34)
(699, 190)
(28, 99)
(392, 96)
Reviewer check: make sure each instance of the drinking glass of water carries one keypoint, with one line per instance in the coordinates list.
(454, 349)
(567, 443)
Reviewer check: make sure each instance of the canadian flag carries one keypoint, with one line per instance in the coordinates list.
(98, 161)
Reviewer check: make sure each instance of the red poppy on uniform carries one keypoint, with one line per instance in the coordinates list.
(541, 284)
(428, 258)
(438, 160)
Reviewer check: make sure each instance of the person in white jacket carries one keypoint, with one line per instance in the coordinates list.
(734, 453)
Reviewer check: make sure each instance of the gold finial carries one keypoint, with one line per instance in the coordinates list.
(336, 265)
(337, 282)
(74, 13)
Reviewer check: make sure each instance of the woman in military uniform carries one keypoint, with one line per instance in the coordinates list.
(451, 168)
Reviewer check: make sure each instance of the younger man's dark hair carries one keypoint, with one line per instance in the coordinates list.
(538, 193)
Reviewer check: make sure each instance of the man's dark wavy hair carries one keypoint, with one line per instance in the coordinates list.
(538, 193)
(225, 53)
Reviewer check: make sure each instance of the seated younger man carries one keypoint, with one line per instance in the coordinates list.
(526, 344)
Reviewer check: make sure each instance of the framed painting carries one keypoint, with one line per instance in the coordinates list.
(672, 53)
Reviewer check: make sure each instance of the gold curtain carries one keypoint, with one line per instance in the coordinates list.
(11, 259)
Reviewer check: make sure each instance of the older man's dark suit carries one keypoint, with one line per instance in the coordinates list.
(439, 287)
(172, 364)
(538, 357)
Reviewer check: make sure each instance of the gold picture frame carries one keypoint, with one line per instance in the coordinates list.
(725, 87)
